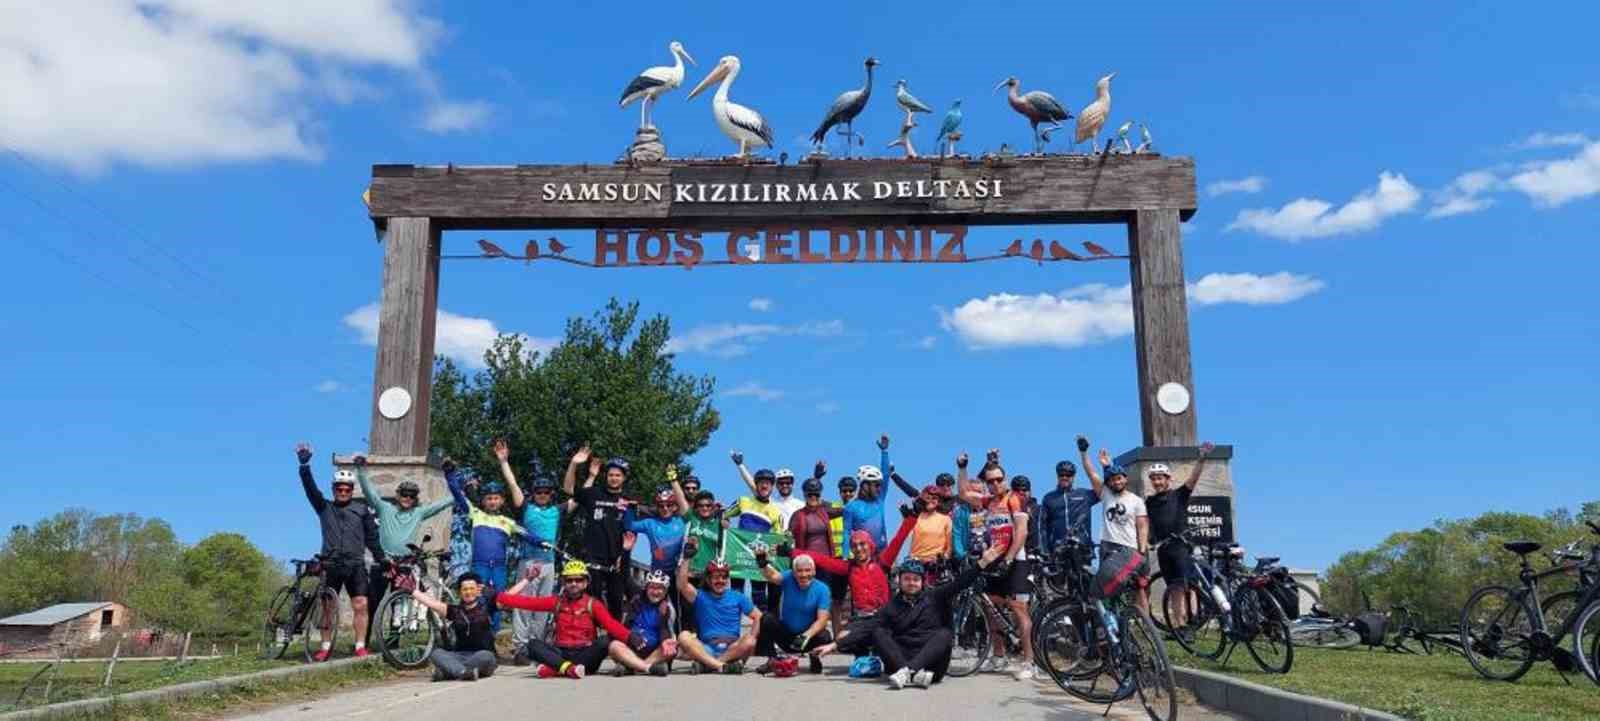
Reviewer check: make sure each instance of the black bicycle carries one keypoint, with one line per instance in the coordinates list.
(1504, 630)
(405, 630)
(1245, 612)
(305, 611)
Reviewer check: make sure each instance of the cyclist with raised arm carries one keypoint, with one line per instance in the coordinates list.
(913, 635)
(718, 643)
(759, 513)
(1127, 522)
(492, 528)
(575, 648)
(349, 531)
(1168, 510)
(541, 521)
(399, 522)
(866, 575)
(1065, 512)
(655, 619)
(603, 507)
(1005, 518)
(467, 653)
(665, 531)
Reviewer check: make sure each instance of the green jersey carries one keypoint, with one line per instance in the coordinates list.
(396, 527)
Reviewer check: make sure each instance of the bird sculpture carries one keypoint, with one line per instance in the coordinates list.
(1059, 252)
(742, 125)
(655, 82)
(1036, 251)
(1122, 134)
(1095, 249)
(1038, 107)
(1015, 248)
(1093, 115)
(907, 101)
(1148, 145)
(844, 110)
(531, 251)
(490, 250)
(950, 126)
(556, 246)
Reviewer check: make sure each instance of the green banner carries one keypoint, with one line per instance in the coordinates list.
(736, 545)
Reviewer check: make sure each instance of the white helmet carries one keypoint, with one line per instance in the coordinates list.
(869, 473)
(657, 578)
(1156, 468)
(344, 475)
(784, 473)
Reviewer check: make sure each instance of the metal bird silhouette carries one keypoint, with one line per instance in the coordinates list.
(490, 250)
(1060, 252)
(1098, 251)
(531, 251)
(1036, 251)
(1015, 248)
(556, 246)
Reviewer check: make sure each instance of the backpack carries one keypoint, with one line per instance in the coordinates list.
(866, 667)
(1118, 568)
(1286, 593)
(1372, 627)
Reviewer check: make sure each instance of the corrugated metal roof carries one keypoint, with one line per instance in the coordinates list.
(52, 615)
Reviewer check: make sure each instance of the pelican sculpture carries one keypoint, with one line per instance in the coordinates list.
(742, 125)
(655, 82)
(1094, 114)
(1038, 107)
(949, 130)
(844, 110)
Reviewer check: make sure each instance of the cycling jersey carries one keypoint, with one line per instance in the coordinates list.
(543, 524)
(470, 625)
(1000, 520)
(397, 527)
(864, 515)
(652, 621)
(717, 616)
(930, 537)
(749, 514)
(491, 532)
(836, 525)
(577, 621)
(602, 527)
(960, 528)
(1065, 513)
(787, 507)
(347, 528)
(812, 531)
(666, 538)
(869, 579)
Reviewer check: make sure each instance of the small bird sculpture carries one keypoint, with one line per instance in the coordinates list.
(655, 82)
(1015, 248)
(1122, 134)
(950, 126)
(490, 250)
(1093, 116)
(1148, 145)
(1036, 251)
(907, 101)
(556, 246)
(844, 110)
(1038, 107)
(1060, 252)
(1096, 250)
(531, 251)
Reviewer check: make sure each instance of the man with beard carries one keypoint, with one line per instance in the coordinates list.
(1127, 522)
(913, 635)
(1168, 509)
(602, 507)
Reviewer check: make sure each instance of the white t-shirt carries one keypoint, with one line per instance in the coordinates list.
(1120, 511)
(787, 506)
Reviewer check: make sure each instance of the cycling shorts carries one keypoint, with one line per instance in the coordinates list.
(1015, 583)
(352, 578)
(1176, 566)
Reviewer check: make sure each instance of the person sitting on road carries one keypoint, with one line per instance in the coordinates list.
(913, 636)
(655, 620)
(492, 528)
(802, 618)
(718, 644)
(470, 653)
(575, 650)
(867, 574)
(541, 522)
(348, 530)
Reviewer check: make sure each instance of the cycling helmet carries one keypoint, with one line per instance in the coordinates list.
(911, 565)
(847, 484)
(869, 474)
(1157, 468)
(469, 576)
(408, 488)
(664, 493)
(1021, 483)
(1065, 468)
(344, 477)
(717, 565)
(944, 479)
(492, 488)
(574, 569)
(618, 463)
(657, 578)
(812, 487)
(765, 474)
(691, 478)
(544, 483)
(1114, 470)
(784, 473)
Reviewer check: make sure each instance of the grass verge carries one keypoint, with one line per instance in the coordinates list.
(1441, 687)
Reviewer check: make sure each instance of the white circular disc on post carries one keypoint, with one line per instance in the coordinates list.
(394, 403)
(1171, 397)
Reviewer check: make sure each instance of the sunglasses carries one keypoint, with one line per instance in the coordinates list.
(544, 490)
(574, 580)
(813, 495)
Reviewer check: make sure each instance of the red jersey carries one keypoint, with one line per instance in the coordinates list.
(869, 580)
(577, 622)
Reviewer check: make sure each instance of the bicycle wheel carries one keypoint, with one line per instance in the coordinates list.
(1586, 641)
(1324, 635)
(1495, 626)
(1058, 640)
(1202, 633)
(1559, 607)
(321, 624)
(1270, 645)
(971, 647)
(278, 629)
(1099, 679)
(406, 631)
(1152, 670)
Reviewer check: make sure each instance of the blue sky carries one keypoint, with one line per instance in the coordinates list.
(1392, 319)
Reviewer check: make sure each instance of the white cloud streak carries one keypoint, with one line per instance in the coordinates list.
(753, 389)
(761, 305)
(728, 340)
(1464, 195)
(828, 408)
(1557, 182)
(1312, 218)
(328, 386)
(1252, 184)
(1551, 140)
(455, 117)
(458, 337)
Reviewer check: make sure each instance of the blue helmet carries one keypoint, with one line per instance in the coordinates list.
(1115, 470)
(911, 565)
(543, 482)
(618, 463)
(492, 488)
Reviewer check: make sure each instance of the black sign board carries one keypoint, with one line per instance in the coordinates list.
(1213, 516)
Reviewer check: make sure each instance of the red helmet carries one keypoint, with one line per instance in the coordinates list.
(717, 565)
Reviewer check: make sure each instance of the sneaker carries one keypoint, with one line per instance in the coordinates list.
(922, 679)
(545, 671)
(321, 656)
(439, 675)
(619, 671)
(576, 671)
(361, 652)
(521, 659)
(900, 678)
(660, 669)
(816, 664)
(733, 668)
(470, 675)
(996, 664)
(765, 668)
(1024, 673)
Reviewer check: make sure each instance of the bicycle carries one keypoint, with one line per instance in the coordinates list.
(1245, 612)
(1504, 631)
(406, 630)
(974, 634)
(304, 608)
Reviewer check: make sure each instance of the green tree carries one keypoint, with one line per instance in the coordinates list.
(610, 382)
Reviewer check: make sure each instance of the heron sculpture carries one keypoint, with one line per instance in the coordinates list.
(655, 82)
(1093, 116)
(844, 110)
(742, 125)
(949, 131)
(1038, 107)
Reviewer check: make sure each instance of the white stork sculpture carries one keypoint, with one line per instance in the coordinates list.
(654, 82)
(742, 125)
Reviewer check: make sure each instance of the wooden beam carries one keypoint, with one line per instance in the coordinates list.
(1160, 324)
(1054, 189)
(406, 320)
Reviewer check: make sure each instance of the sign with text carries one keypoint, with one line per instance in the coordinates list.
(783, 244)
(1213, 516)
(737, 551)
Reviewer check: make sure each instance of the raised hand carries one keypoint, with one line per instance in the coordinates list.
(690, 545)
(501, 450)
(820, 469)
(672, 473)
(737, 456)
(1083, 444)
(993, 456)
(302, 451)
(359, 460)
(594, 465)
(582, 456)
(628, 537)
(1105, 457)
(883, 442)
(961, 460)
(448, 465)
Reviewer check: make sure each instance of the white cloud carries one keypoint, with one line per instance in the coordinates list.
(761, 305)
(727, 340)
(754, 390)
(1252, 184)
(453, 117)
(1093, 313)
(926, 342)
(177, 82)
(1311, 218)
(1550, 140)
(458, 337)
(328, 386)
(828, 407)
(1557, 182)
(1464, 195)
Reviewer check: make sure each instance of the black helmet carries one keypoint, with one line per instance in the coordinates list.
(765, 474)
(1021, 483)
(812, 487)
(408, 488)
(1065, 468)
(691, 478)
(847, 484)
(944, 479)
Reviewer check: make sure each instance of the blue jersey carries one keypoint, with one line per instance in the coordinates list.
(718, 616)
(666, 538)
(861, 514)
(650, 623)
(543, 523)
(960, 529)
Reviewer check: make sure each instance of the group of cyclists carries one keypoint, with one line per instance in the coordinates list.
(847, 590)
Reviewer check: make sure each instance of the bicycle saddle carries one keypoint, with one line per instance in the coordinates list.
(1267, 560)
(1521, 548)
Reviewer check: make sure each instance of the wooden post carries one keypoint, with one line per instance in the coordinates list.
(110, 667)
(183, 653)
(406, 321)
(1160, 324)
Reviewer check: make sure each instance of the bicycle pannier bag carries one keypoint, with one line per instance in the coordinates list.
(1118, 567)
(1372, 627)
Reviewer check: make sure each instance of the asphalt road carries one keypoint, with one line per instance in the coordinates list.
(515, 693)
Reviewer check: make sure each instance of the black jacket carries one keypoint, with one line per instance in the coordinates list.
(346, 529)
(912, 621)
